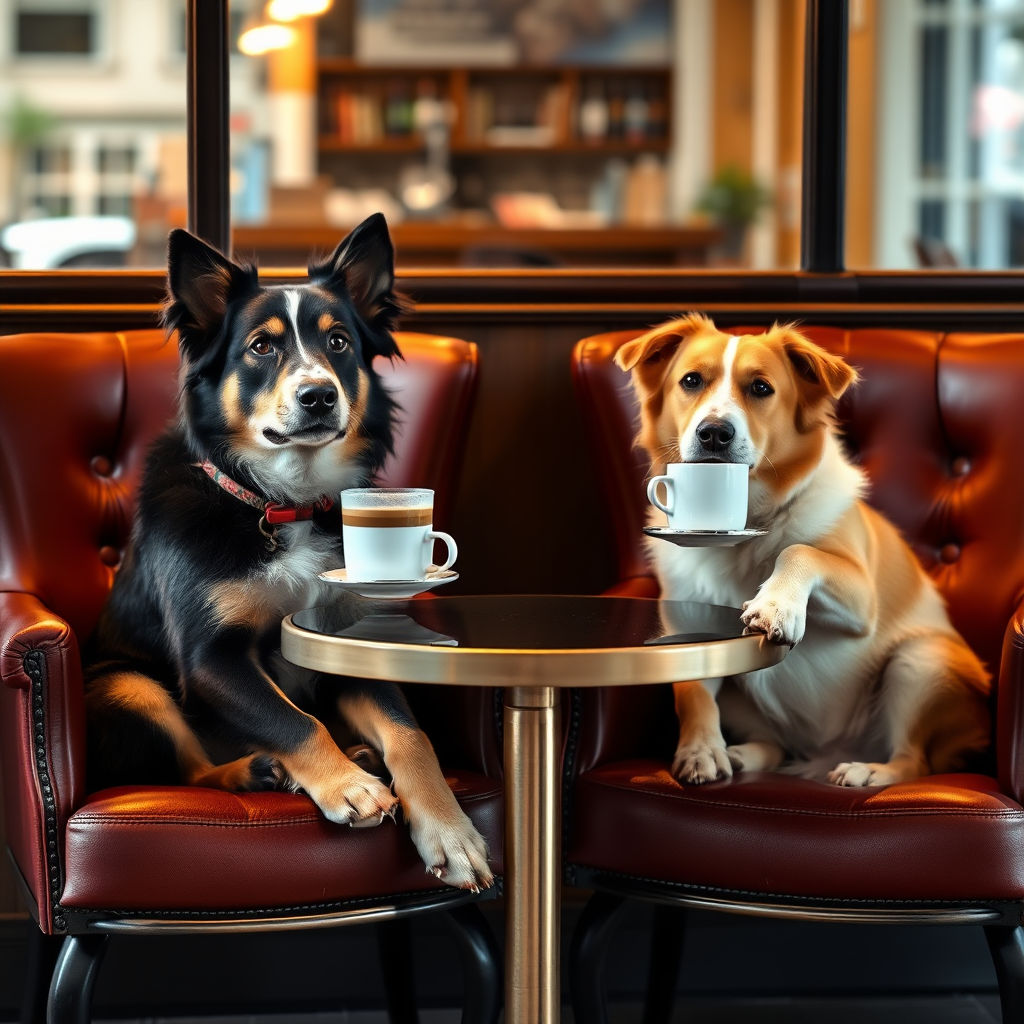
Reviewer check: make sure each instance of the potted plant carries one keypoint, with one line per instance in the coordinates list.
(733, 198)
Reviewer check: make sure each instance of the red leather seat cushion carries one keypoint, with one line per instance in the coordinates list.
(944, 837)
(187, 848)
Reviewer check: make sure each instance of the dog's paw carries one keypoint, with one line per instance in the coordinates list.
(701, 762)
(266, 773)
(782, 621)
(358, 799)
(736, 757)
(452, 849)
(858, 773)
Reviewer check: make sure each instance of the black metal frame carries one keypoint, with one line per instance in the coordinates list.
(612, 893)
(207, 59)
(72, 971)
(824, 145)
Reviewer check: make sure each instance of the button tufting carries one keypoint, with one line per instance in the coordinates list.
(101, 465)
(961, 466)
(110, 556)
(949, 553)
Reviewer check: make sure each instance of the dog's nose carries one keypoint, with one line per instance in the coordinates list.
(318, 397)
(715, 435)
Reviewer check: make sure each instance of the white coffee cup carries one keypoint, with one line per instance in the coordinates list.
(703, 495)
(388, 533)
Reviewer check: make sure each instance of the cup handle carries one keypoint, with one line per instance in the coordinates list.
(453, 550)
(652, 493)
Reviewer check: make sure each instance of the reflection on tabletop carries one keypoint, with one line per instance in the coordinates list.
(531, 622)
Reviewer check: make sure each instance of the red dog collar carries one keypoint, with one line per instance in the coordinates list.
(274, 512)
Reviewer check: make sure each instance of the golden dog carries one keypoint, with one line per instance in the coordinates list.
(880, 687)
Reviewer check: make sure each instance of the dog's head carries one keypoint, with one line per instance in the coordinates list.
(767, 400)
(277, 382)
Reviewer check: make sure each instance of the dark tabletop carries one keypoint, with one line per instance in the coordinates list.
(524, 623)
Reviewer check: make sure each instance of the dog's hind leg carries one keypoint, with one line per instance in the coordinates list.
(933, 712)
(446, 839)
(138, 734)
(742, 720)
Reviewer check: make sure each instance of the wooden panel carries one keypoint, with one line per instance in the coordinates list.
(791, 106)
(860, 137)
(733, 83)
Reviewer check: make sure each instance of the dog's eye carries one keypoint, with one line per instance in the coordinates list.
(337, 343)
(260, 346)
(761, 388)
(692, 381)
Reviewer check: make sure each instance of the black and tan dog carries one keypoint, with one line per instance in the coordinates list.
(280, 409)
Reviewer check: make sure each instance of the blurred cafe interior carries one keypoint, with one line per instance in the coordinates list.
(557, 176)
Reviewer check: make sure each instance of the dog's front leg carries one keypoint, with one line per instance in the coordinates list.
(838, 583)
(445, 838)
(225, 674)
(701, 755)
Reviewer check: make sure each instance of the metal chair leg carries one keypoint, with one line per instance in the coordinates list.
(481, 964)
(1006, 944)
(74, 976)
(43, 951)
(394, 943)
(668, 936)
(587, 953)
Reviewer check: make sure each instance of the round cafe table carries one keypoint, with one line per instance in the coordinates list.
(531, 646)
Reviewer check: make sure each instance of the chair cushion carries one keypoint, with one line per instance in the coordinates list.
(187, 848)
(943, 837)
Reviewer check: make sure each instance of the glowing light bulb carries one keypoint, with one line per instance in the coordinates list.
(264, 38)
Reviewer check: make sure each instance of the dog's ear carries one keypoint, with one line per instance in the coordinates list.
(201, 283)
(821, 373)
(364, 264)
(649, 355)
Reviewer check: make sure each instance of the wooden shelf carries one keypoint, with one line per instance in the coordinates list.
(347, 66)
(413, 144)
(458, 85)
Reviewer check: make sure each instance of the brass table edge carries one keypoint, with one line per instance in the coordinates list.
(570, 667)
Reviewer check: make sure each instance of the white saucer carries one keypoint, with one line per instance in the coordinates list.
(395, 590)
(703, 538)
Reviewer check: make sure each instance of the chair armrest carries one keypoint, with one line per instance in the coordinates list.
(42, 743)
(1009, 732)
(635, 586)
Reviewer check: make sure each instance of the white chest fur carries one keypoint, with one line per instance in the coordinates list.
(303, 553)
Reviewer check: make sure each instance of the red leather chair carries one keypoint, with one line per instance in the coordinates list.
(938, 423)
(76, 415)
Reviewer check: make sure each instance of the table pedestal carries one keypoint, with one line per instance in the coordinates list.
(533, 844)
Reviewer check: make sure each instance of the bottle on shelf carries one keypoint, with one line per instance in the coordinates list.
(616, 111)
(593, 117)
(398, 109)
(634, 114)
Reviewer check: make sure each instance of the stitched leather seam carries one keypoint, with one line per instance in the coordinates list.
(101, 819)
(837, 900)
(262, 911)
(908, 812)
(34, 663)
(86, 818)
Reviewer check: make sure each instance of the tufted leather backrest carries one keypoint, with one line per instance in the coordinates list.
(78, 411)
(937, 421)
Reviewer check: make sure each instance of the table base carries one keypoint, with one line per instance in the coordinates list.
(533, 855)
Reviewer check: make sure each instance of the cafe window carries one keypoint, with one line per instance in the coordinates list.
(49, 28)
(946, 134)
(637, 137)
(653, 133)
